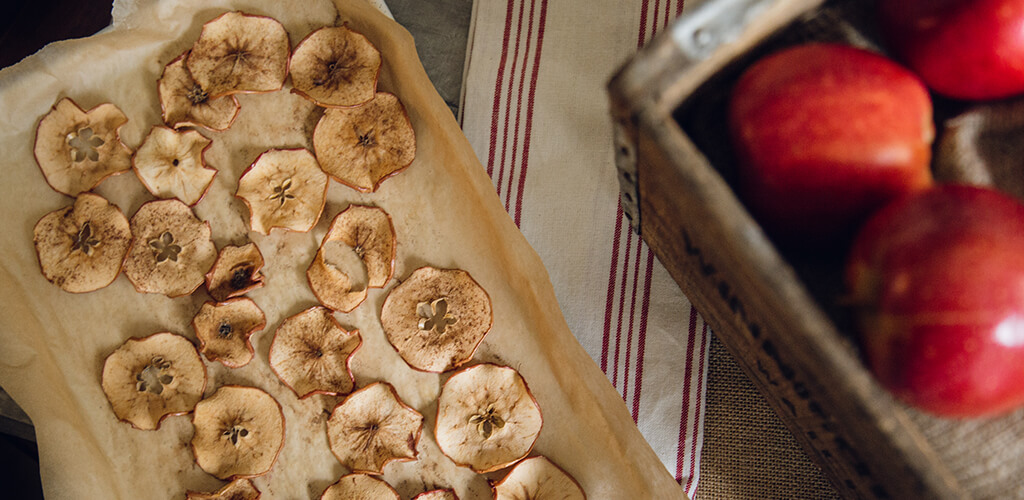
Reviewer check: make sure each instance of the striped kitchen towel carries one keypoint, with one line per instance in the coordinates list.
(536, 111)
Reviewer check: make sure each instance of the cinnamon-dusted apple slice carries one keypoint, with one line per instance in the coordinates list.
(311, 353)
(239, 432)
(335, 66)
(239, 52)
(487, 419)
(235, 272)
(77, 149)
(170, 164)
(538, 478)
(360, 487)
(81, 247)
(373, 427)
(441, 494)
(283, 188)
(436, 318)
(184, 103)
(362, 146)
(370, 235)
(154, 377)
(224, 328)
(239, 489)
(171, 249)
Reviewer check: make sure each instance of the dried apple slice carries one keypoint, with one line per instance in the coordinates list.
(362, 146)
(283, 188)
(81, 247)
(184, 103)
(77, 149)
(239, 489)
(487, 419)
(224, 328)
(239, 52)
(239, 432)
(235, 272)
(436, 318)
(170, 164)
(442, 494)
(311, 353)
(171, 249)
(335, 66)
(370, 235)
(360, 487)
(538, 478)
(373, 427)
(149, 379)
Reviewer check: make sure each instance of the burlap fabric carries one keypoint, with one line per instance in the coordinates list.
(748, 452)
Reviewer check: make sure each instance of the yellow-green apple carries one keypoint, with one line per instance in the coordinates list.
(938, 278)
(966, 49)
(824, 135)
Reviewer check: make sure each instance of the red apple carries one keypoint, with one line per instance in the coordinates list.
(940, 278)
(825, 135)
(966, 49)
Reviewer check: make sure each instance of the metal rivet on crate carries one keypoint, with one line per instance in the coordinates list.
(712, 24)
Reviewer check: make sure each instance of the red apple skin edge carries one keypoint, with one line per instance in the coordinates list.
(825, 135)
(965, 49)
(939, 278)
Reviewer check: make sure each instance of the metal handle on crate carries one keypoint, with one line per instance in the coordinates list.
(714, 23)
(697, 34)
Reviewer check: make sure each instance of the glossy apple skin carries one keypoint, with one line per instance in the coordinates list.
(939, 277)
(965, 49)
(825, 135)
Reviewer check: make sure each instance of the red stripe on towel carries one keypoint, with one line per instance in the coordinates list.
(609, 305)
(496, 106)
(508, 101)
(687, 375)
(645, 307)
(519, 113)
(691, 481)
(529, 109)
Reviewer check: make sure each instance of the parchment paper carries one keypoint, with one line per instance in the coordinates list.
(446, 214)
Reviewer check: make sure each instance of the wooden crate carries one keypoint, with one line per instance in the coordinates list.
(773, 311)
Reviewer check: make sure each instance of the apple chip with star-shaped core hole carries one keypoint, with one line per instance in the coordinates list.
(149, 379)
(77, 149)
(81, 247)
(239, 431)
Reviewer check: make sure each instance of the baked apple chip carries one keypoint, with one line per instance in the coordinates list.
(239, 489)
(239, 431)
(77, 149)
(537, 477)
(239, 52)
(81, 247)
(283, 188)
(335, 66)
(362, 146)
(436, 318)
(360, 487)
(235, 272)
(171, 249)
(442, 494)
(183, 103)
(370, 235)
(170, 164)
(224, 328)
(372, 427)
(311, 353)
(154, 377)
(487, 419)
